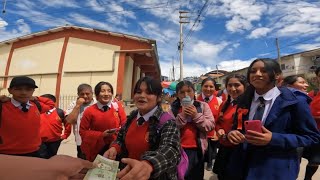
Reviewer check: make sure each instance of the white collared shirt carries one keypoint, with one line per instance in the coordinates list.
(148, 115)
(269, 98)
(210, 97)
(18, 104)
(100, 106)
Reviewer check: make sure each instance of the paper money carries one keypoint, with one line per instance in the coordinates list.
(107, 169)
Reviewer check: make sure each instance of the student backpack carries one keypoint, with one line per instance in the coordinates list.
(182, 167)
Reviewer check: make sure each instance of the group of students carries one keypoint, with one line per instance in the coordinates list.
(150, 143)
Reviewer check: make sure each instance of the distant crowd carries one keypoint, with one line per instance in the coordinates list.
(258, 127)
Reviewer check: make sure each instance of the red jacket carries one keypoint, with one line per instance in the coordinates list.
(315, 109)
(93, 123)
(225, 121)
(52, 127)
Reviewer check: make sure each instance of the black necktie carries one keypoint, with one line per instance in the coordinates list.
(24, 107)
(140, 121)
(234, 102)
(260, 110)
(206, 99)
(105, 108)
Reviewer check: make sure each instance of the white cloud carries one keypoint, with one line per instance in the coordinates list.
(236, 45)
(3, 23)
(21, 29)
(242, 13)
(306, 47)
(317, 39)
(80, 19)
(231, 65)
(296, 18)
(60, 3)
(204, 52)
(259, 32)
(158, 33)
(95, 6)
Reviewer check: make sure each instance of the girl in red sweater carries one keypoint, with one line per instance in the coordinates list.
(235, 85)
(208, 88)
(99, 122)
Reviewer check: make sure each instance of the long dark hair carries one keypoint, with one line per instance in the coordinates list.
(272, 68)
(242, 79)
(290, 80)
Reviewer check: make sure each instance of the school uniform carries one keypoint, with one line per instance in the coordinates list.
(159, 146)
(20, 127)
(51, 132)
(287, 115)
(224, 122)
(214, 104)
(94, 122)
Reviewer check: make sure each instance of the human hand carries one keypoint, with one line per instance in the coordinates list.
(135, 169)
(236, 137)
(80, 101)
(221, 133)
(76, 168)
(111, 153)
(259, 139)
(190, 111)
(4, 98)
(108, 133)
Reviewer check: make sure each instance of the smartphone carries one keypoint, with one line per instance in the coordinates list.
(253, 125)
(113, 130)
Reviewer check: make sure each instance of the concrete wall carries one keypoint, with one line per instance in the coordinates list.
(88, 62)
(127, 83)
(4, 53)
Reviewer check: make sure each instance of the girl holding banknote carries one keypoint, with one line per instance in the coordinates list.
(286, 121)
(100, 121)
(147, 148)
(195, 119)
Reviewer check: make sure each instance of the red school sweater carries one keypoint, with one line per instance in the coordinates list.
(20, 131)
(214, 107)
(93, 123)
(226, 122)
(52, 127)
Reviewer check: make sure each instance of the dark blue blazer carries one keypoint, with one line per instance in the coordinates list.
(292, 126)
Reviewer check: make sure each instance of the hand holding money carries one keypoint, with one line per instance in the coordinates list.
(106, 169)
(111, 153)
(135, 169)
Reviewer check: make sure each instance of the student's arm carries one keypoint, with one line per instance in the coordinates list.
(46, 104)
(67, 131)
(18, 167)
(73, 111)
(205, 120)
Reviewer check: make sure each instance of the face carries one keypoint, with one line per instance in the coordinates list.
(208, 88)
(87, 95)
(105, 95)
(300, 84)
(144, 100)
(260, 79)
(21, 93)
(186, 91)
(235, 88)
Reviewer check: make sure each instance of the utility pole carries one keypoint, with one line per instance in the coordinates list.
(4, 6)
(173, 69)
(180, 47)
(278, 50)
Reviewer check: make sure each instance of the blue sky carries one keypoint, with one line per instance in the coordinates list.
(229, 34)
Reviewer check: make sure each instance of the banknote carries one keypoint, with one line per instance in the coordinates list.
(106, 169)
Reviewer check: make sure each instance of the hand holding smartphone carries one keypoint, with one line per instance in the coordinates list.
(113, 130)
(253, 125)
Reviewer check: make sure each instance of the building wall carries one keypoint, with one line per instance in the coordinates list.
(88, 62)
(127, 83)
(4, 54)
